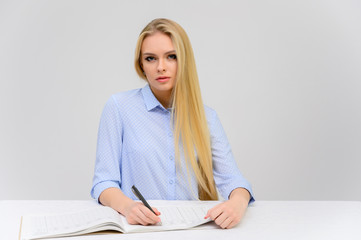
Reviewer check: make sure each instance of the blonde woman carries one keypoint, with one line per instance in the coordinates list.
(162, 139)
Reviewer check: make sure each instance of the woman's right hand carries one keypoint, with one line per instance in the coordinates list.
(134, 212)
(137, 213)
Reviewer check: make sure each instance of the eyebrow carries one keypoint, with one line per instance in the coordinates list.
(172, 51)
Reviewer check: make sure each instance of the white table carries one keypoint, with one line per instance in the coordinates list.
(263, 220)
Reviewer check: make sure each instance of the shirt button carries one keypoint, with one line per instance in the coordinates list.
(171, 182)
(170, 134)
(171, 157)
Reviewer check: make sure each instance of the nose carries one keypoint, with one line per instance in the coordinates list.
(161, 66)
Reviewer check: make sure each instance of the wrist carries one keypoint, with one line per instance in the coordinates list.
(115, 198)
(124, 205)
(240, 195)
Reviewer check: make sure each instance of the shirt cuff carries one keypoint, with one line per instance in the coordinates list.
(226, 191)
(100, 187)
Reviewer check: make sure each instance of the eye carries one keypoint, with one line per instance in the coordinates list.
(149, 59)
(172, 56)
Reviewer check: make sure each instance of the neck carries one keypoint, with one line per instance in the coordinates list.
(165, 104)
(164, 98)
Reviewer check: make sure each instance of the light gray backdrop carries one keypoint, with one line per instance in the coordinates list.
(284, 77)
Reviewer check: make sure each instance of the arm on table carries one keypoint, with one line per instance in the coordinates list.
(134, 212)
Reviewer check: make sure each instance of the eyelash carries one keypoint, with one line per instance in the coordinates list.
(148, 59)
(171, 56)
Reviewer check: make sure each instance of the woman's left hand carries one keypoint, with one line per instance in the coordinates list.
(229, 213)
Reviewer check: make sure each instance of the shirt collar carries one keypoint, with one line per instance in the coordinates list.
(150, 100)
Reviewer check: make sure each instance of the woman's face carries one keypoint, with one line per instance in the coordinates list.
(159, 63)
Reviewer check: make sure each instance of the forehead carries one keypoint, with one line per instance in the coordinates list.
(157, 43)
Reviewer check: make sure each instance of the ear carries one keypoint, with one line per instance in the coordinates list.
(141, 66)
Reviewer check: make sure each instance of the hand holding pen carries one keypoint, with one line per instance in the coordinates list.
(138, 213)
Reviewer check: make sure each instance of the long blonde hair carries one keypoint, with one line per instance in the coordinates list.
(189, 119)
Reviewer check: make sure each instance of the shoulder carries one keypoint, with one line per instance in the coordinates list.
(214, 123)
(127, 97)
(123, 100)
(211, 114)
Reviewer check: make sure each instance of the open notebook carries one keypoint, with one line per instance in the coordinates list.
(175, 215)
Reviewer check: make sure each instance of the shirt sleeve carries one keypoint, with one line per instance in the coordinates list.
(107, 172)
(226, 173)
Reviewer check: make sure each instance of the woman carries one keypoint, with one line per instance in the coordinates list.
(162, 139)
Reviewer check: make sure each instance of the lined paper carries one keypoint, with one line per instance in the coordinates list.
(174, 216)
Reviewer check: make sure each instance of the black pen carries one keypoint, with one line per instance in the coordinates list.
(141, 198)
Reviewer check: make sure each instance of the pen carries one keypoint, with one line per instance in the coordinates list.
(141, 198)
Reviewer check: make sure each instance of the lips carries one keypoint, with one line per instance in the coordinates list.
(162, 78)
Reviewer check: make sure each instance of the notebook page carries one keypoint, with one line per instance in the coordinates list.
(69, 223)
(175, 217)
(182, 215)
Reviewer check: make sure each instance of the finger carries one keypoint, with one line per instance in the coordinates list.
(220, 219)
(156, 211)
(139, 220)
(136, 217)
(147, 219)
(149, 216)
(133, 218)
(214, 212)
(226, 223)
(232, 224)
(209, 212)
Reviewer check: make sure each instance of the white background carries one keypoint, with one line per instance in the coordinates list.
(284, 77)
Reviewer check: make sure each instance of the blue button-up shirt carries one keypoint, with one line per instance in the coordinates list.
(136, 147)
